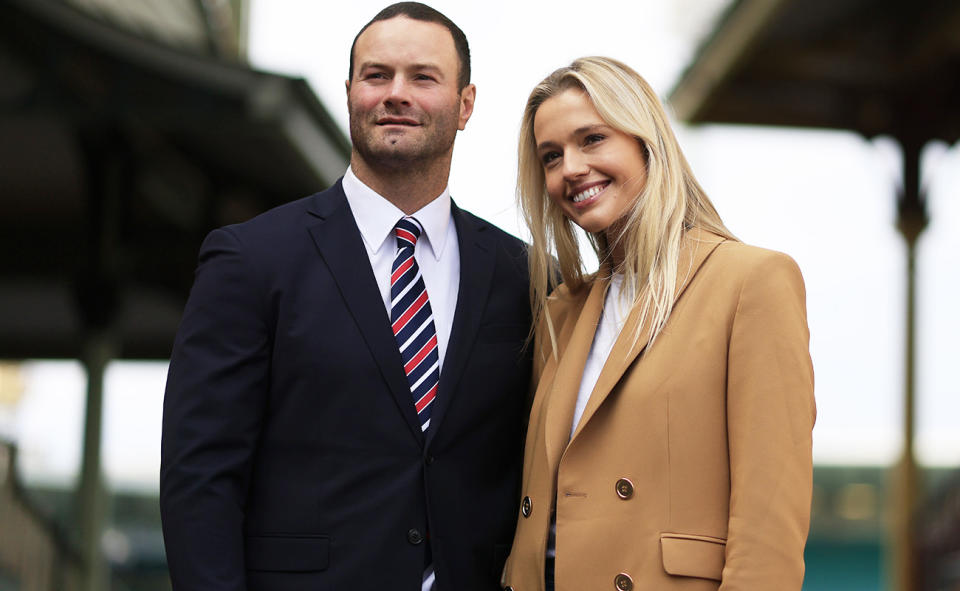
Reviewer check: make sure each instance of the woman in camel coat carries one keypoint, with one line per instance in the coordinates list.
(669, 444)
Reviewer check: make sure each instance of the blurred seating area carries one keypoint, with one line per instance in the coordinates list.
(35, 554)
(938, 538)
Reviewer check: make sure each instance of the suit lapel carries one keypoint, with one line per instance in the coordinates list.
(694, 250)
(578, 334)
(477, 259)
(340, 244)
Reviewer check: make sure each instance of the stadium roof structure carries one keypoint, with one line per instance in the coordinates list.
(118, 153)
(875, 67)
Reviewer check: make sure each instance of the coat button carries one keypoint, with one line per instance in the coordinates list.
(429, 460)
(526, 507)
(623, 582)
(414, 536)
(624, 488)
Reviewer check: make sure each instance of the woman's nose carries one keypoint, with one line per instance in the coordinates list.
(574, 165)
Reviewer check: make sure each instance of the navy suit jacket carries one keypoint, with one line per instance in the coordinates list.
(292, 457)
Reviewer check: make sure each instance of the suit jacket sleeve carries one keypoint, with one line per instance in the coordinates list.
(770, 414)
(213, 408)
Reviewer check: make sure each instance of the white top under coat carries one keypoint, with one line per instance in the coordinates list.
(616, 308)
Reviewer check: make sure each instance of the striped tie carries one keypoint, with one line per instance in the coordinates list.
(412, 320)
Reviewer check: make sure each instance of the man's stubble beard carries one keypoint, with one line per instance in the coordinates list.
(403, 155)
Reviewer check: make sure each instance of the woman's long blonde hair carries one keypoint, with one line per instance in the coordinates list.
(670, 202)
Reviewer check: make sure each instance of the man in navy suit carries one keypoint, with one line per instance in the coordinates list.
(306, 444)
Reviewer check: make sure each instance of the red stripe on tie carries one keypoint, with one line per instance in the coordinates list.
(427, 348)
(410, 313)
(408, 236)
(427, 398)
(401, 270)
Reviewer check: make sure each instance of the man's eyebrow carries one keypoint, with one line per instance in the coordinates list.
(432, 68)
(366, 65)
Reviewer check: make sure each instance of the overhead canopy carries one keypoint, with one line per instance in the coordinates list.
(117, 155)
(870, 66)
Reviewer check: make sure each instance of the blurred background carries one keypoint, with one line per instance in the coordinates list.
(826, 129)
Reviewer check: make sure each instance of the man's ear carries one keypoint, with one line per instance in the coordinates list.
(467, 97)
(346, 84)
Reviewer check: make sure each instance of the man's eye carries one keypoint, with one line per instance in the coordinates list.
(424, 77)
(376, 76)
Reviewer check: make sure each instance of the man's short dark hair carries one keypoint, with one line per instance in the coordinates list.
(422, 12)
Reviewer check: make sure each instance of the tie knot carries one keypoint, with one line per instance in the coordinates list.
(407, 231)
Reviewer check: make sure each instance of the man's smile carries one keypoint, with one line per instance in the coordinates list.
(404, 121)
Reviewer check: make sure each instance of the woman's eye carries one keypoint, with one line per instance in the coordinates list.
(549, 157)
(594, 138)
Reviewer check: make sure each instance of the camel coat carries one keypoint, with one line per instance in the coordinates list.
(691, 466)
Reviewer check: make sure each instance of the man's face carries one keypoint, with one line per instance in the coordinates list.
(403, 99)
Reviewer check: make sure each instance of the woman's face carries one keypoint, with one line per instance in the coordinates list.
(593, 171)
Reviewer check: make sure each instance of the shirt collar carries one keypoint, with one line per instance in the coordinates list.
(376, 216)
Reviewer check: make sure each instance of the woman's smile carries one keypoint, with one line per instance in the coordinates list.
(584, 196)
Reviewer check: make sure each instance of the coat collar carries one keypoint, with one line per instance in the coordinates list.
(578, 332)
(376, 217)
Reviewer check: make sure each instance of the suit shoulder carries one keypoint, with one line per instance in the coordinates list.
(513, 244)
(736, 256)
(756, 272)
(273, 235)
(280, 219)
(274, 226)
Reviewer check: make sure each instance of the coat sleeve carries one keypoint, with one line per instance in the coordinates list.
(770, 416)
(212, 413)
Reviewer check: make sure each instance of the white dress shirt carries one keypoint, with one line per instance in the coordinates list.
(437, 251)
(437, 254)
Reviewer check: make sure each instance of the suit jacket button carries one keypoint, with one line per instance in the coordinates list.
(414, 536)
(624, 488)
(526, 507)
(623, 582)
(429, 460)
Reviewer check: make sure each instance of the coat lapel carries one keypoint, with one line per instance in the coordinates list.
(694, 250)
(338, 239)
(578, 334)
(477, 259)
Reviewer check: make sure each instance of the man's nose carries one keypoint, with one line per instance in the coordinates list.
(398, 92)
